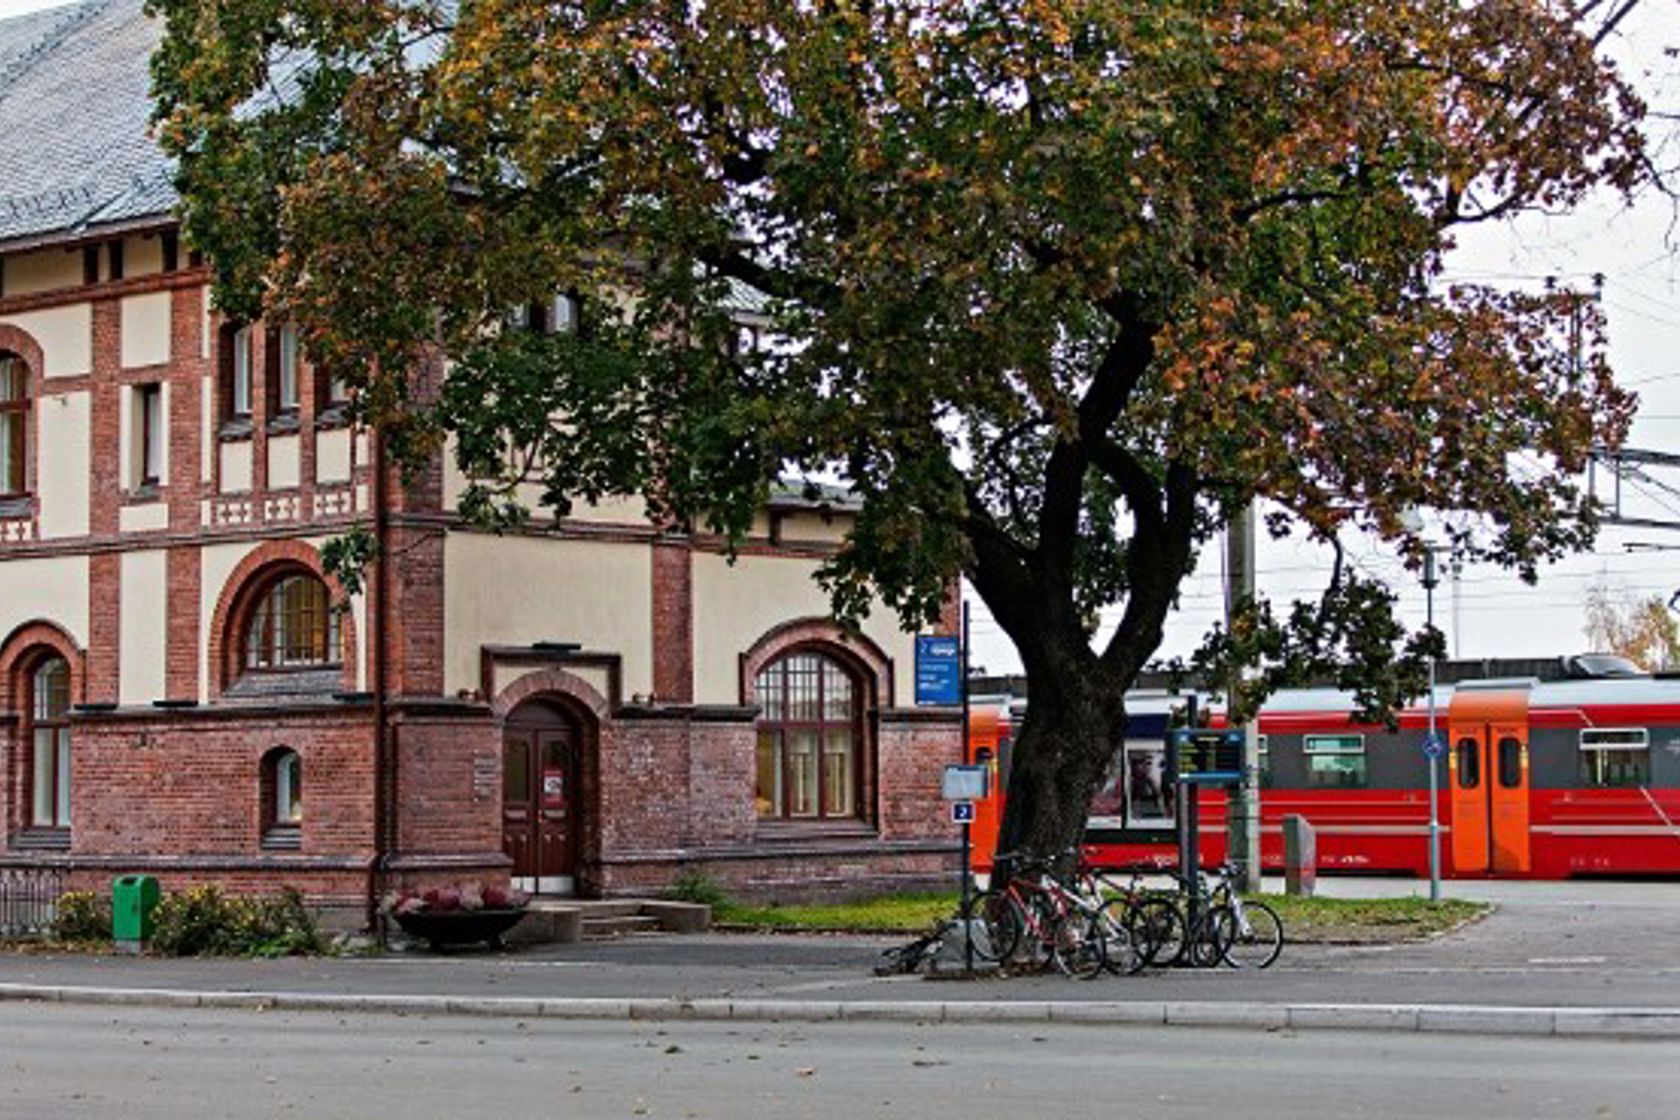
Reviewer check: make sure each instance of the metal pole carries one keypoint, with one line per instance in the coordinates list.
(1429, 582)
(967, 896)
(1242, 827)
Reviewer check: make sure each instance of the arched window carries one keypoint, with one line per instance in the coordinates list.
(809, 739)
(293, 626)
(282, 798)
(49, 711)
(14, 427)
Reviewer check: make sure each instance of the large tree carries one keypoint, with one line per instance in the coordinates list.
(1054, 286)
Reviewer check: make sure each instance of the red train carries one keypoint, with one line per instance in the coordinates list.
(1542, 779)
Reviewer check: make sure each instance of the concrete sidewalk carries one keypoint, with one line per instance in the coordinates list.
(1553, 959)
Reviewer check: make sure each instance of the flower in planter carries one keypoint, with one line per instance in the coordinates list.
(456, 898)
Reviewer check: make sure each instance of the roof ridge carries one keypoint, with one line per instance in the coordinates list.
(74, 17)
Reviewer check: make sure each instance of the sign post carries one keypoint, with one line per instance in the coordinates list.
(1199, 757)
(1434, 747)
(962, 785)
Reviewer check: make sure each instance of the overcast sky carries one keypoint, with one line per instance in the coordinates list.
(1635, 251)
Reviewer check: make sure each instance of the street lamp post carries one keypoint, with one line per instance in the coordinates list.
(1429, 581)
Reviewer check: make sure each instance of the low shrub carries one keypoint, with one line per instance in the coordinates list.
(82, 916)
(204, 922)
(697, 886)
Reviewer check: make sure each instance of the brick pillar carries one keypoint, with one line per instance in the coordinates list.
(673, 621)
(181, 670)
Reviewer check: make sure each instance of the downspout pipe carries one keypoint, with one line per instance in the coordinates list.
(384, 768)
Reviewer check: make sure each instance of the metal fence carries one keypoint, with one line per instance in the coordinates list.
(28, 901)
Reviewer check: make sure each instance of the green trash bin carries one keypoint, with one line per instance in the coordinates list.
(132, 900)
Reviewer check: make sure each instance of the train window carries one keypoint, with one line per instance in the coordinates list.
(1469, 763)
(1510, 763)
(1616, 757)
(1335, 761)
(1148, 795)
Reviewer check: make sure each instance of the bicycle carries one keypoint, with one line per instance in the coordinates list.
(1052, 923)
(1250, 931)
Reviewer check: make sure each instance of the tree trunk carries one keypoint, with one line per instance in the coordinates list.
(1075, 724)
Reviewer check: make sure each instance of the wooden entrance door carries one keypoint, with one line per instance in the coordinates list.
(540, 802)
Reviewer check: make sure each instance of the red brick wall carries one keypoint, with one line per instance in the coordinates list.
(449, 783)
(673, 622)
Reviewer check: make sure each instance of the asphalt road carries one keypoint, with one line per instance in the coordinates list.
(138, 1064)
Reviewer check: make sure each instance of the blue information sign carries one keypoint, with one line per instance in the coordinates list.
(962, 812)
(938, 669)
(1434, 745)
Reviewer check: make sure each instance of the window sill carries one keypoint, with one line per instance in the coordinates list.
(778, 828)
(42, 840)
(283, 838)
(147, 493)
(286, 423)
(260, 684)
(333, 416)
(16, 506)
(237, 428)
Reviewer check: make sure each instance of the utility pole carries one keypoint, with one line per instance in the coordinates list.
(1243, 802)
(1432, 747)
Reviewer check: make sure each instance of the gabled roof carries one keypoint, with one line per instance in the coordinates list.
(74, 104)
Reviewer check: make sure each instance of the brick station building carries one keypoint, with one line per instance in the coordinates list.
(591, 706)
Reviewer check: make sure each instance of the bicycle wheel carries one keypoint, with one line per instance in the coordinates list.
(1000, 924)
(1253, 938)
(1206, 947)
(1075, 948)
(1112, 926)
(1157, 929)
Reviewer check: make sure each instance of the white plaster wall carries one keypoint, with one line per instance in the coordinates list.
(65, 335)
(45, 271)
(149, 518)
(145, 330)
(64, 424)
(736, 606)
(52, 589)
(284, 462)
(811, 527)
(142, 256)
(143, 627)
(216, 563)
(236, 466)
(519, 590)
(332, 455)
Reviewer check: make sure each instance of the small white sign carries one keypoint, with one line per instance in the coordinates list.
(964, 783)
(962, 812)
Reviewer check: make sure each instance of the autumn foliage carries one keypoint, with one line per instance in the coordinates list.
(1054, 285)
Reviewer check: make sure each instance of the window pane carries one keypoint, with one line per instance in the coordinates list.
(52, 689)
(1469, 763)
(1510, 763)
(516, 772)
(11, 379)
(288, 789)
(151, 433)
(242, 371)
(1336, 771)
(63, 802)
(1616, 769)
(837, 692)
(288, 367)
(802, 773)
(803, 673)
(42, 779)
(12, 428)
(770, 694)
(1146, 792)
(768, 795)
(837, 773)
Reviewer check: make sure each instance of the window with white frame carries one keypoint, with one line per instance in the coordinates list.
(1616, 757)
(14, 426)
(286, 372)
(1335, 761)
(150, 434)
(49, 708)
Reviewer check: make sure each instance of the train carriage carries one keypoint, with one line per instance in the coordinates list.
(1541, 779)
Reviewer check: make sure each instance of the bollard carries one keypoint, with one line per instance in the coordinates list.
(1300, 856)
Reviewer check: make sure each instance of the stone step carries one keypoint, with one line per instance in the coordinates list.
(605, 928)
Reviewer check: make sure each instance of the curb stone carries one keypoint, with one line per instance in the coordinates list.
(1566, 1022)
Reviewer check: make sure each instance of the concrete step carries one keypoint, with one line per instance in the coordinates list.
(566, 920)
(605, 928)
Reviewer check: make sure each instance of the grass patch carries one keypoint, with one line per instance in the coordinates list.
(898, 913)
(1369, 920)
(1305, 920)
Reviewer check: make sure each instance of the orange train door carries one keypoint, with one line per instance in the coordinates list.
(1487, 779)
(988, 739)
